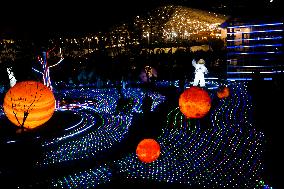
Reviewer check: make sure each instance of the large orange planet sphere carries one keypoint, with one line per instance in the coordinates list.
(223, 92)
(194, 102)
(148, 150)
(29, 104)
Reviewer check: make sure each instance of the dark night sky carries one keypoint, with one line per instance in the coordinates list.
(74, 16)
(29, 18)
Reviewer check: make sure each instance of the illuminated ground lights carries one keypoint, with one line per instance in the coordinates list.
(87, 138)
(86, 179)
(227, 153)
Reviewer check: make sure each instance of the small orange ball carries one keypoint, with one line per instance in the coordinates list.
(148, 150)
(223, 92)
(194, 102)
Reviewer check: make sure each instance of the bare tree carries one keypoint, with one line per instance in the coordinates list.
(24, 104)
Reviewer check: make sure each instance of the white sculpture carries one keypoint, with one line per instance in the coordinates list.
(12, 78)
(200, 70)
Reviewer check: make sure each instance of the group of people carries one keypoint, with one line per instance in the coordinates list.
(200, 70)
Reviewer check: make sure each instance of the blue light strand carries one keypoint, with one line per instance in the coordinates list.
(257, 25)
(84, 179)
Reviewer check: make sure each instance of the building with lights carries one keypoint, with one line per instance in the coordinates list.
(254, 49)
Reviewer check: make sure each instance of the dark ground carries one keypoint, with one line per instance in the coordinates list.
(267, 97)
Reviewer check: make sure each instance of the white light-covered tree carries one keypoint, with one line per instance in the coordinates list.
(11, 75)
(7, 57)
(46, 67)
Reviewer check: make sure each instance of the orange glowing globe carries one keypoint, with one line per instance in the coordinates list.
(194, 102)
(223, 92)
(29, 104)
(148, 150)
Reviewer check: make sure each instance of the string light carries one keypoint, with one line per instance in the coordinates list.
(228, 152)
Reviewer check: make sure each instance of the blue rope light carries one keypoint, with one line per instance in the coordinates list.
(257, 25)
(239, 72)
(257, 39)
(260, 31)
(249, 72)
(239, 79)
(246, 53)
(252, 46)
(237, 66)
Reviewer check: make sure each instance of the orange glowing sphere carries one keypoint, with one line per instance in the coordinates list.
(223, 92)
(29, 104)
(148, 150)
(194, 102)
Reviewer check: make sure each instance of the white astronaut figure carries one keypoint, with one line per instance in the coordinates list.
(12, 78)
(200, 70)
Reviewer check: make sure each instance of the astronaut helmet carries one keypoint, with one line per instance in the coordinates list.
(201, 61)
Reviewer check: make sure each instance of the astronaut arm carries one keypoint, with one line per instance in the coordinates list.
(205, 70)
(194, 63)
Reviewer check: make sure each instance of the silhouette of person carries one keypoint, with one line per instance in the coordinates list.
(200, 70)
